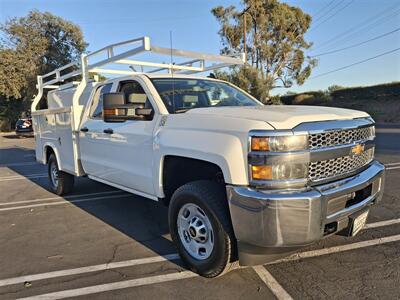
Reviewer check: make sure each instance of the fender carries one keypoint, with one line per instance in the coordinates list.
(226, 151)
(46, 147)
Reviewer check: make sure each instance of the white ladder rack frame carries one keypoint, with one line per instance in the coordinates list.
(139, 45)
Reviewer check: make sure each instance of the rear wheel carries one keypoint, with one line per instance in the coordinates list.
(61, 183)
(200, 226)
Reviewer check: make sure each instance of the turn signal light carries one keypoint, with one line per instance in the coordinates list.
(110, 112)
(261, 172)
(259, 144)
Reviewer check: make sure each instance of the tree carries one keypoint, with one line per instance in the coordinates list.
(32, 45)
(275, 45)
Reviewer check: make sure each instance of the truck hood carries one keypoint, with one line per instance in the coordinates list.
(282, 116)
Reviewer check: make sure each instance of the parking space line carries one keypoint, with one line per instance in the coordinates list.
(65, 202)
(271, 283)
(393, 168)
(188, 274)
(382, 223)
(60, 198)
(29, 163)
(115, 286)
(126, 263)
(89, 269)
(21, 177)
(264, 275)
(341, 248)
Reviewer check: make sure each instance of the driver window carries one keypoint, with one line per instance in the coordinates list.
(134, 94)
(96, 109)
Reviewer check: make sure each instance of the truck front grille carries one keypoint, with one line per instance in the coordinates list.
(340, 137)
(339, 166)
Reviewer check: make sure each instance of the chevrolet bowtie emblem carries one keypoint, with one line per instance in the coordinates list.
(357, 149)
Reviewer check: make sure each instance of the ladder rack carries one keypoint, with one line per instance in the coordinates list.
(199, 62)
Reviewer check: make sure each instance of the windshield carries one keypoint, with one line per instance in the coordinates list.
(180, 94)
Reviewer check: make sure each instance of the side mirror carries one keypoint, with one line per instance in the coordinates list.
(115, 109)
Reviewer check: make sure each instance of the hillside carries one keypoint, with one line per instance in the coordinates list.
(381, 101)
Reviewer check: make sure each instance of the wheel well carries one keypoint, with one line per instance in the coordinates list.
(178, 171)
(48, 151)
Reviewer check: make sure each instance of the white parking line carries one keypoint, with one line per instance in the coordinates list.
(21, 177)
(342, 248)
(60, 198)
(29, 163)
(126, 263)
(271, 283)
(264, 275)
(382, 223)
(187, 274)
(89, 269)
(115, 286)
(393, 168)
(65, 202)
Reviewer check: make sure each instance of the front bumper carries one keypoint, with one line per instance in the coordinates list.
(269, 224)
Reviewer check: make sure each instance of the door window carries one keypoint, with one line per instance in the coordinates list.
(135, 95)
(96, 109)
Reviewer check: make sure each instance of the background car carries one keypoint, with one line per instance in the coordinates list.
(23, 127)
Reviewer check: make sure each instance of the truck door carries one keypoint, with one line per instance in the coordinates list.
(91, 135)
(127, 147)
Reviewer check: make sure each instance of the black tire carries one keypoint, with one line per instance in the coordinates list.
(65, 181)
(211, 198)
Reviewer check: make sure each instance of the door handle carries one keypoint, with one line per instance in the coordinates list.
(108, 130)
(84, 129)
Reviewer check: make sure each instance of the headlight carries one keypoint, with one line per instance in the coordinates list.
(280, 171)
(279, 143)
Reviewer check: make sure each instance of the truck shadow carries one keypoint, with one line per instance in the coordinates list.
(144, 221)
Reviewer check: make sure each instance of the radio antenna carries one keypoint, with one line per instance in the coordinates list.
(172, 73)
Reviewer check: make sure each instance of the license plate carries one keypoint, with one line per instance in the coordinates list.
(359, 223)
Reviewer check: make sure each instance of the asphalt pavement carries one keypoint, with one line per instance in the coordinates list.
(103, 243)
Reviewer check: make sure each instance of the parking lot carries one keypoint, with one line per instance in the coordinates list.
(102, 243)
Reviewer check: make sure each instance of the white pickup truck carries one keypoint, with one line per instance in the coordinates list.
(243, 181)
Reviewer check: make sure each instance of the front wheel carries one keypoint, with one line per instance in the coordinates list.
(61, 183)
(201, 228)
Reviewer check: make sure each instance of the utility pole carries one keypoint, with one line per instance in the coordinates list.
(244, 36)
(244, 32)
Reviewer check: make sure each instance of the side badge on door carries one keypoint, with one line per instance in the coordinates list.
(163, 120)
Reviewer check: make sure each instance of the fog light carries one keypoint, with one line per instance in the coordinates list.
(261, 172)
(280, 172)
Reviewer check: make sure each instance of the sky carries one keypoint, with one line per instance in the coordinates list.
(336, 24)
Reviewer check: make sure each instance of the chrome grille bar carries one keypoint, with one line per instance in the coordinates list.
(340, 137)
(325, 169)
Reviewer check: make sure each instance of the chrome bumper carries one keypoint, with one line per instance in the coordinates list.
(283, 221)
